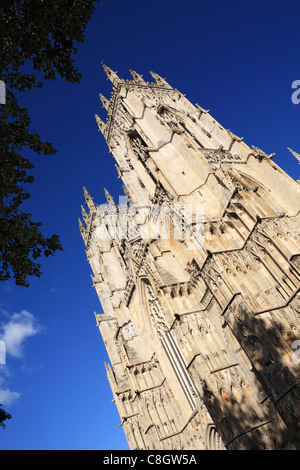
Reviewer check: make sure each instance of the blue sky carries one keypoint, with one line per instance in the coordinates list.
(236, 58)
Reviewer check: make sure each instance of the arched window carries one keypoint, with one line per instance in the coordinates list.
(180, 125)
(138, 146)
(212, 438)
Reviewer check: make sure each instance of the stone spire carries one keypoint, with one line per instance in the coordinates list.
(159, 80)
(296, 155)
(136, 76)
(83, 230)
(84, 214)
(81, 227)
(111, 75)
(101, 124)
(89, 200)
(109, 198)
(104, 101)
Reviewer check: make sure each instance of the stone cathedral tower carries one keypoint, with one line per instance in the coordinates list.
(201, 314)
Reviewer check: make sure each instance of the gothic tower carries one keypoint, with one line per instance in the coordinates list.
(198, 273)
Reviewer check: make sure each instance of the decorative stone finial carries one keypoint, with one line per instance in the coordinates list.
(109, 197)
(104, 101)
(296, 155)
(159, 80)
(89, 200)
(101, 124)
(82, 229)
(111, 75)
(136, 76)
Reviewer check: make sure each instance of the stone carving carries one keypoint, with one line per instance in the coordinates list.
(220, 155)
(128, 330)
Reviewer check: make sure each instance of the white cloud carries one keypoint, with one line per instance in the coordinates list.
(14, 332)
(18, 329)
(55, 290)
(7, 397)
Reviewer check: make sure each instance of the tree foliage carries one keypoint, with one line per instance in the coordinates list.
(38, 41)
(3, 417)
